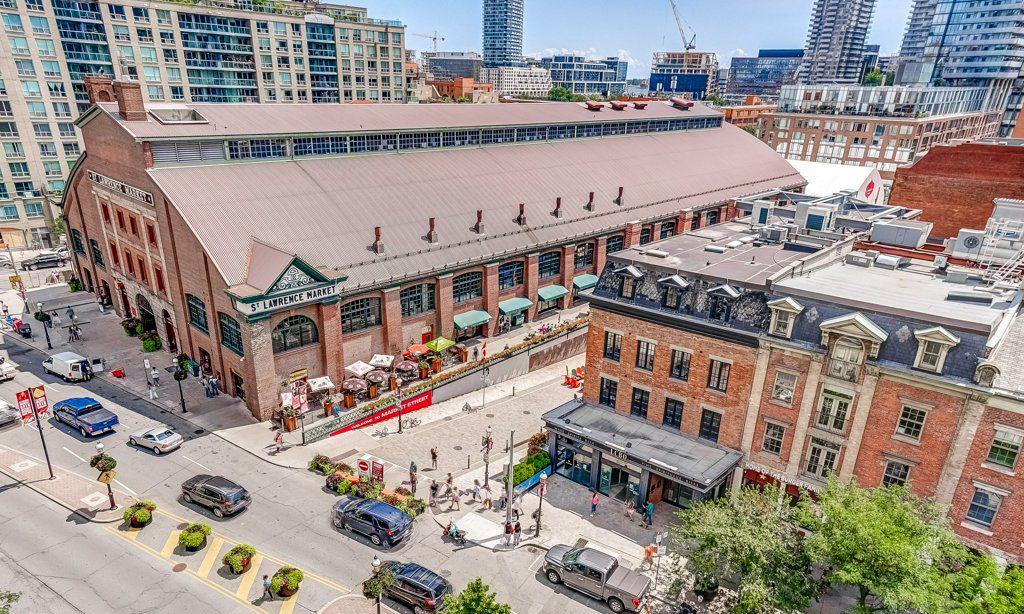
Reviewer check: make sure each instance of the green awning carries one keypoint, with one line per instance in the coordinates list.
(514, 305)
(551, 293)
(469, 319)
(582, 282)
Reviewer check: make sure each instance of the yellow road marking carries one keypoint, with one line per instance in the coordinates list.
(211, 557)
(288, 605)
(249, 577)
(172, 541)
(131, 533)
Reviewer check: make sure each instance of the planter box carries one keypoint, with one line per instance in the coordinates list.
(531, 481)
(424, 372)
(135, 524)
(197, 548)
(286, 592)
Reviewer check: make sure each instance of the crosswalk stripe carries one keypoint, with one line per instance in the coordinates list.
(288, 604)
(211, 557)
(249, 577)
(172, 541)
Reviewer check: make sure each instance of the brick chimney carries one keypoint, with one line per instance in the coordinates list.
(620, 200)
(479, 228)
(521, 219)
(99, 87)
(558, 207)
(431, 232)
(378, 245)
(590, 203)
(130, 105)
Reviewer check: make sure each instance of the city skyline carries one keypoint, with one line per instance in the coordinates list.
(599, 32)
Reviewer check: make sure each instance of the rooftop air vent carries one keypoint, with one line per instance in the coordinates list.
(656, 253)
(718, 249)
(859, 259)
(681, 104)
(734, 244)
(970, 296)
(888, 261)
(640, 105)
(176, 114)
(618, 105)
(594, 106)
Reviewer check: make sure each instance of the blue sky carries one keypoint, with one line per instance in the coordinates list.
(633, 28)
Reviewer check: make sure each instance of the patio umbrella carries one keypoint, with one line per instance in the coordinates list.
(359, 368)
(353, 384)
(382, 361)
(405, 366)
(376, 377)
(318, 384)
(415, 351)
(440, 344)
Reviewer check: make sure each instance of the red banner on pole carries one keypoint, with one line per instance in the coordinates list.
(413, 403)
(24, 404)
(39, 398)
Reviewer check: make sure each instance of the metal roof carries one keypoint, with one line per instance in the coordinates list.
(324, 210)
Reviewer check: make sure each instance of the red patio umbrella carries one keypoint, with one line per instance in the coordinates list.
(415, 351)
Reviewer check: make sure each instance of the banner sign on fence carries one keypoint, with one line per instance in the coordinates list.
(413, 403)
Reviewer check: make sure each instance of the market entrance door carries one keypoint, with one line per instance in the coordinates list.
(145, 313)
(172, 337)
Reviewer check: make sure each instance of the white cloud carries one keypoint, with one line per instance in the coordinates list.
(737, 51)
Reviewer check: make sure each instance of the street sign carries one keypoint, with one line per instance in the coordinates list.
(363, 466)
(24, 404)
(377, 471)
(14, 279)
(107, 477)
(39, 399)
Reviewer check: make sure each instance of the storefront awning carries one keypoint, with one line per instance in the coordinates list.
(469, 319)
(582, 282)
(513, 305)
(551, 293)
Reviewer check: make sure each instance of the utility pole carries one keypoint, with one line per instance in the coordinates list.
(510, 489)
(39, 425)
(540, 505)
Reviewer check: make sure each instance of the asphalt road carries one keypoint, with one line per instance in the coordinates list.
(56, 559)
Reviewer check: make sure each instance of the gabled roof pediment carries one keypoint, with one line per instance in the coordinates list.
(271, 270)
(630, 271)
(674, 280)
(725, 290)
(937, 334)
(855, 325)
(786, 304)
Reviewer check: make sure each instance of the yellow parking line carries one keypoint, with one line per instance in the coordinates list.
(172, 541)
(131, 533)
(288, 605)
(249, 577)
(211, 557)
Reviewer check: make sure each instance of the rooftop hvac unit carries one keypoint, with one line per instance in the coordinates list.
(717, 249)
(941, 261)
(902, 234)
(859, 259)
(888, 261)
(774, 234)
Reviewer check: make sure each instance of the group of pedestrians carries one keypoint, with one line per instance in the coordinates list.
(513, 534)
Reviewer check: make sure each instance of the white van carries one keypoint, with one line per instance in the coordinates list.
(69, 366)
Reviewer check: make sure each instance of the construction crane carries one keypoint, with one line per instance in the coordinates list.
(688, 44)
(433, 38)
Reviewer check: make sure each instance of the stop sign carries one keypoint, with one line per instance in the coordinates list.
(364, 466)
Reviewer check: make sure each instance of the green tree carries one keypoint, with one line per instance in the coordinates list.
(875, 77)
(893, 547)
(377, 585)
(7, 601)
(718, 101)
(980, 587)
(560, 94)
(475, 599)
(751, 128)
(58, 226)
(748, 538)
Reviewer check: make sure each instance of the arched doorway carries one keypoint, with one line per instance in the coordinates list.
(172, 337)
(105, 293)
(125, 303)
(145, 313)
(88, 281)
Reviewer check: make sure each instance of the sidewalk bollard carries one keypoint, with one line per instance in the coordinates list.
(467, 461)
(513, 391)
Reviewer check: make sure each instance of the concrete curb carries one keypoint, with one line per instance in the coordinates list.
(353, 595)
(59, 502)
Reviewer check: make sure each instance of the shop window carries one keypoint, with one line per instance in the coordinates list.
(549, 264)
(645, 355)
(984, 506)
(673, 413)
(710, 424)
(230, 333)
(614, 244)
(612, 345)
(609, 391)
(895, 474)
(197, 313)
(360, 314)
(467, 286)
(510, 275)
(638, 404)
(785, 385)
(584, 256)
(679, 365)
(1005, 447)
(293, 332)
(911, 422)
(417, 299)
(821, 457)
(718, 375)
(774, 434)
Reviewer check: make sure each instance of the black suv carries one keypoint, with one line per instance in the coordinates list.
(221, 495)
(417, 587)
(383, 524)
(43, 261)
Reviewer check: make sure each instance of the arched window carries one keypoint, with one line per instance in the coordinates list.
(510, 275)
(197, 312)
(294, 332)
(614, 244)
(847, 354)
(584, 255)
(230, 333)
(360, 314)
(467, 286)
(549, 264)
(417, 299)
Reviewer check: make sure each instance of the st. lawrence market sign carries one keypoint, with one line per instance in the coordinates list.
(117, 186)
(287, 301)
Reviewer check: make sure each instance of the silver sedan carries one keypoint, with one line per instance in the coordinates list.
(159, 439)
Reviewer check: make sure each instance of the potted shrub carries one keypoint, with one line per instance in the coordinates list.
(424, 368)
(322, 464)
(290, 420)
(102, 462)
(184, 362)
(131, 326)
(193, 537)
(42, 316)
(150, 342)
(239, 558)
(435, 363)
(285, 581)
(139, 514)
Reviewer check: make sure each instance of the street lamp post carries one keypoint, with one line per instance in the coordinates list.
(488, 444)
(179, 374)
(376, 564)
(483, 391)
(46, 329)
(110, 489)
(398, 402)
(510, 489)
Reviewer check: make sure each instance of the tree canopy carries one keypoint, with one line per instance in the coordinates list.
(475, 599)
(560, 94)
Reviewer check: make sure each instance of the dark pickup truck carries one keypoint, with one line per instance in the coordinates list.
(85, 414)
(597, 574)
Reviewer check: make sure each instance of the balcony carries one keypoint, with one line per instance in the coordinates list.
(843, 370)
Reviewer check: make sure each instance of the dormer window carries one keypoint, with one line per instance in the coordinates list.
(852, 338)
(720, 300)
(784, 314)
(847, 354)
(628, 278)
(933, 344)
(672, 291)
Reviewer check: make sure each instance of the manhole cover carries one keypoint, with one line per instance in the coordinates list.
(179, 567)
(526, 411)
(446, 573)
(457, 448)
(490, 415)
(447, 418)
(199, 431)
(532, 549)
(182, 526)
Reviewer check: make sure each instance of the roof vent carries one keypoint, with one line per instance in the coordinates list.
(734, 244)
(679, 103)
(718, 249)
(594, 105)
(970, 296)
(431, 232)
(378, 245)
(656, 253)
(558, 207)
(521, 219)
(888, 261)
(176, 114)
(640, 105)
(858, 259)
(479, 228)
(590, 203)
(618, 105)
(619, 200)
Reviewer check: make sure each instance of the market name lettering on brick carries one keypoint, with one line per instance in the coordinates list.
(123, 188)
(291, 299)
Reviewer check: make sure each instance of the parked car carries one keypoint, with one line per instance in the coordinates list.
(85, 414)
(8, 414)
(597, 574)
(62, 252)
(46, 260)
(68, 366)
(417, 587)
(381, 523)
(159, 439)
(222, 496)
(5, 261)
(7, 371)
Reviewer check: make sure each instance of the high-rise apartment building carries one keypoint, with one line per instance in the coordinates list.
(444, 65)
(200, 51)
(765, 74)
(836, 37)
(915, 39)
(503, 33)
(694, 73)
(580, 75)
(528, 81)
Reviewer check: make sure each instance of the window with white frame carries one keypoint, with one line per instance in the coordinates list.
(785, 385)
(895, 474)
(834, 410)
(911, 422)
(773, 437)
(822, 456)
(984, 506)
(933, 344)
(784, 313)
(1005, 447)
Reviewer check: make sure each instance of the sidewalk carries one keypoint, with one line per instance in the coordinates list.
(83, 496)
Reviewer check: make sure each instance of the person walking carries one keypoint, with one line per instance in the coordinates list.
(433, 458)
(488, 501)
(649, 553)
(517, 534)
(476, 490)
(649, 513)
(594, 500)
(152, 392)
(155, 376)
(508, 533)
(412, 484)
(412, 471)
(214, 382)
(70, 313)
(278, 441)
(629, 508)
(267, 595)
(449, 482)
(54, 320)
(433, 492)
